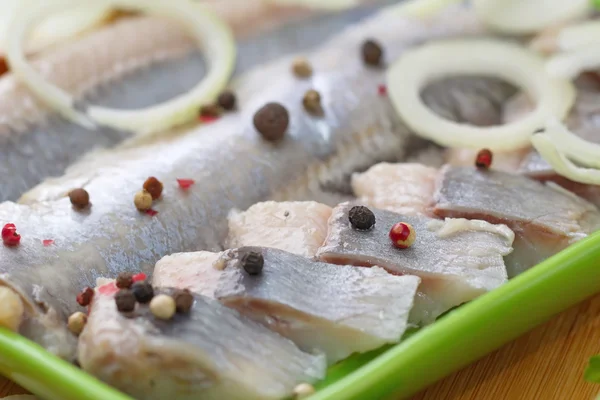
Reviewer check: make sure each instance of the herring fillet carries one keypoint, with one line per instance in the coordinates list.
(321, 307)
(402, 188)
(544, 217)
(212, 352)
(456, 261)
(298, 227)
(135, 62)
(232, 166)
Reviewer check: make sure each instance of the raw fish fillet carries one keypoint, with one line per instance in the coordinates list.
(211, 353)
(135, 62)
(232, 166)
(456, 260)
(321, 307)
(298, 227)
(544, 217)
(401, 188)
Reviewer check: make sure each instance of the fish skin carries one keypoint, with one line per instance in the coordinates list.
(543, 227)
(298, 227)
(113, 67)
(449, 276)
(337, 310)
(112, 236)
(211, 352)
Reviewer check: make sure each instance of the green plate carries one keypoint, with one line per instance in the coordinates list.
(423, 357)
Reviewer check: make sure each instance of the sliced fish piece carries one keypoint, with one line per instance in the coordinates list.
(401, 188)
(321, 307)
(210, 353)
(456, 260)
(298, 227)
(233, 167)
(544, 217)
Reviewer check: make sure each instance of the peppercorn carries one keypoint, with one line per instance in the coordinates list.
(154, 187)
(84, 298)
(211, 110)
(484, 159)
(271, 121)
(10, 237)
(124, 280)
(361, 218)
(80, 198)
(76, 322)
(372, 53)
(402, 235)
(125, 300)
(253, 262)
(162, 306)
(142, 200)
(303, 390)
(183, 300)
(301, 68)
(226, 100)
(142, 291)
(312, 102)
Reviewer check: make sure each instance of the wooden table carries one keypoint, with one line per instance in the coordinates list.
(545, 364)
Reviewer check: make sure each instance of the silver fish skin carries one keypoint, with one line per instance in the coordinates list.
(337, 310)
(212, 353)
(545, 217)
(230, 163)
(455, 267)
(135, 62)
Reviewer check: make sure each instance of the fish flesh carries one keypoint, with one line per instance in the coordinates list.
(402, 188)
(113, 67)
(544, 217)
(212, 353)
(337, 310)
(232, 166)
(456, 260)
(298, 227)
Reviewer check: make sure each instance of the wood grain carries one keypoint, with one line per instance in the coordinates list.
(546, 364)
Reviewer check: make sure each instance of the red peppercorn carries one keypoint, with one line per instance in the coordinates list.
(84, 298)
(139, 277)
(10, 237)
(47, 242)
(151, 212)
(402, 235)
(382, 90)
(483, 159)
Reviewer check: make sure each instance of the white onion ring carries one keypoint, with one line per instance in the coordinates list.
(545, 145)
(215, 36)
(528, 16)
(572, 146)
(318, 4)
(416, 68)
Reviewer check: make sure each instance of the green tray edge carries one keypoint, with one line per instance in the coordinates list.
(422, 358)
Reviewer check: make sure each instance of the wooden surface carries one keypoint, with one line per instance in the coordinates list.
(545, 364)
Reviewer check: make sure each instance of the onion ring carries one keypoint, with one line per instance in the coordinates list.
(215, 36)
(416, 68)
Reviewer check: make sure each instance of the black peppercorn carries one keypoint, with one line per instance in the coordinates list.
(372, 53)
(271, 121)
(226, 100)
(142, 291)
(253, 262)
(125, 300)
(361, 218)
